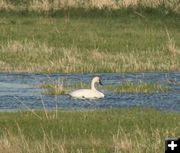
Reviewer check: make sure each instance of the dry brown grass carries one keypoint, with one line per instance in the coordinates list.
(136, 61)
(47, 5)
(138, 141)
(5, 5)
(39, 57)
(126, 143)
(171, 46)
(19, 144)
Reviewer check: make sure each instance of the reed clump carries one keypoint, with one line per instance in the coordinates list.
(53, 89)
(61, 88)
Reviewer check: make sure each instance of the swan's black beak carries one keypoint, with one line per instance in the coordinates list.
(100, 83)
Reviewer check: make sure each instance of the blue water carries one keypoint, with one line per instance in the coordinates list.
(20, 91)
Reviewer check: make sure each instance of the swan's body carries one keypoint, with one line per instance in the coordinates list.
(92, 93)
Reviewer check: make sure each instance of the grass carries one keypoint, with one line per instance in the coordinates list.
(140, 87)
(90, 40)
(115, 130)
(53, 89)
(89, 36)
(49, 5)
(61, 88)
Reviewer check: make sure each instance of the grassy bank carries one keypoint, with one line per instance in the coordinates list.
(134, 38)
(125, 130)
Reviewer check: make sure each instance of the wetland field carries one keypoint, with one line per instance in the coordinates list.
(50, 47)
(79, 40)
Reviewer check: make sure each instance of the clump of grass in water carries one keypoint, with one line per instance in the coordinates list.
(140, 87)
(61, 88)
(54, 88)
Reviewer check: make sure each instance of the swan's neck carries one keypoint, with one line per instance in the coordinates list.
(93, 85)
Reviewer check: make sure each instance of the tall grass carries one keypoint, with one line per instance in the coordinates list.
(115, 130)
(48, 5)
(39, 57)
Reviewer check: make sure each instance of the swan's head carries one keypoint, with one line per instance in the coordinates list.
(97, 80)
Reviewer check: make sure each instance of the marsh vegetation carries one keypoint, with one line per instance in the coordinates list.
(54, 5)
(139, 36)
(76, 36)
(61, 88)
(115, 130)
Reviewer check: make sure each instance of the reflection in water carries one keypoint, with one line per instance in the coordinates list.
(19, 91)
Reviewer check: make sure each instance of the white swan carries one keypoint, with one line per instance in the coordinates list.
(88, 93)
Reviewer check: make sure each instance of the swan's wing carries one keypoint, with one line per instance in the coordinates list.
(80, 93)
(86, 93)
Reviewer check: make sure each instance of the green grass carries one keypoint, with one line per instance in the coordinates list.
(125, 40)
(140, 87)
(61, 88)
(130, 130)
(56, 88)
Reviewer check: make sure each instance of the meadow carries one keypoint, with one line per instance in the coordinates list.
(134, 38)
(128, 130)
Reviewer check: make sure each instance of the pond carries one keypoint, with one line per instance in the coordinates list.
(19, 91)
